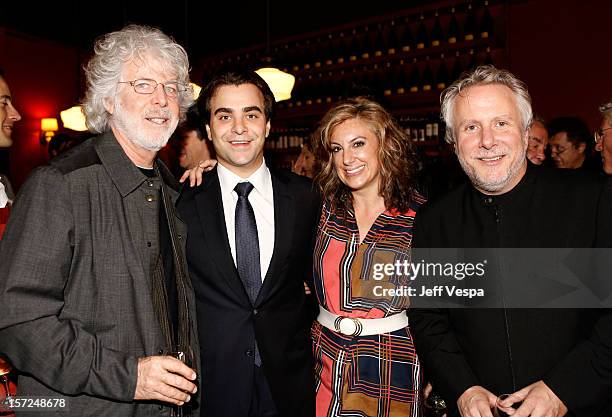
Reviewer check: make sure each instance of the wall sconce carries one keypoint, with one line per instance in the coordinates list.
(48, 127)
(74, 119)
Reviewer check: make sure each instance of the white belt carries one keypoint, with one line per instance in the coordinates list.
(350, 326)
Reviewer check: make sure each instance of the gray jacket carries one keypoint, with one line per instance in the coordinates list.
(75, 281)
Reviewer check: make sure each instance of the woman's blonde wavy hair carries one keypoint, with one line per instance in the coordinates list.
(395, 154)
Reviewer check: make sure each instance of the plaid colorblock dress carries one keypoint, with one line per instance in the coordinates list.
(377, 375)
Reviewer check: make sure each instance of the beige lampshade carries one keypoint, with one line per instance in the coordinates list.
(281, 83)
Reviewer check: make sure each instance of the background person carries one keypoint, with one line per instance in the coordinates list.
(8, 116)
(193, 146)
(306, 163)
(603, 137)
(538, 140)
(570, 143)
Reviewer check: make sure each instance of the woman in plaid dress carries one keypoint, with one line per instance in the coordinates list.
(366, 363)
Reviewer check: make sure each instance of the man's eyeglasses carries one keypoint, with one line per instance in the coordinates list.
(147, 86)
(600, 133)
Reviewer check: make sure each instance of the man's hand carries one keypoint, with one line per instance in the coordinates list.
(538, 401)
(164, 378)
(195, 174)
(476, 401)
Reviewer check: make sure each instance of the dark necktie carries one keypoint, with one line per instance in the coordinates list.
(247, 247)
(247, 242)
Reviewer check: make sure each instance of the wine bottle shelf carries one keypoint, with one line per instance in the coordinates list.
(403, 60)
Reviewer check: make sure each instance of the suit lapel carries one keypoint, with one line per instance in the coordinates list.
(209, 206)
(284, 216)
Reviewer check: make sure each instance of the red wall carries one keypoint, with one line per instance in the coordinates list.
(563, 51)
(43, 78)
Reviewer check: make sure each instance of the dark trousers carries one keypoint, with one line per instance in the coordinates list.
(262, 404)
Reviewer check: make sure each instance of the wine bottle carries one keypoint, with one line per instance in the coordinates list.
(309, 90)
(402, 79)
(388, 81)
(457, 68)
(295, 57)
(329, 88)
(379, 80)
(392, 40)
(415, 77)
(342, 48)
(453, 28)
(488, 58)
(308, 54)
(379, 45)
(318, 99)
(486, 24)
(435, 132)
(436, 33)
(469, 28)
(473, 62)
(407, 41)
(442, 74)
(427, 78)
(317, 50)
(421, 40)
(355, 46)
(327, 55)
(367, 46)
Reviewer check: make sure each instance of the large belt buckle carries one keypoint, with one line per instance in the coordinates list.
(356, 322)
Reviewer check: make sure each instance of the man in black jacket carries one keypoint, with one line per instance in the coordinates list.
(249, 252)
(557, 362)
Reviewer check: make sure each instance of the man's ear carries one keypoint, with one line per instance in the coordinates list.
(267, 128)
(582, 147)
(208, 133)
(109, 104)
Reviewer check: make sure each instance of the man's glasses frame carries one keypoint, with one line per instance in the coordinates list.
(172, 89)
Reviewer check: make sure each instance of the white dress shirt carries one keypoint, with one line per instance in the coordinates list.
(262, 201)
(4, 200)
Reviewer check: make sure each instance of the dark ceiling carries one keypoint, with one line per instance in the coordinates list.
(206, 28)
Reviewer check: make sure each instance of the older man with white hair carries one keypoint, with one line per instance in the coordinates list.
(553, 362)
(93, 286)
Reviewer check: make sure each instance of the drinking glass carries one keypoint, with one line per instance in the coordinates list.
(5, 368)
(185, 355)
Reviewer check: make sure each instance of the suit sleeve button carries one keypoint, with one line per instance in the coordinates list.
(248, 352)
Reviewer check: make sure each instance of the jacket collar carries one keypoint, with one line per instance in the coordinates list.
(125, 175)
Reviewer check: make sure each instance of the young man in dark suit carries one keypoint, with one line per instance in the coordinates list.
(249, 251)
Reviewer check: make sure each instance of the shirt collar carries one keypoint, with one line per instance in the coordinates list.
(126, 176)
(261, 180)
